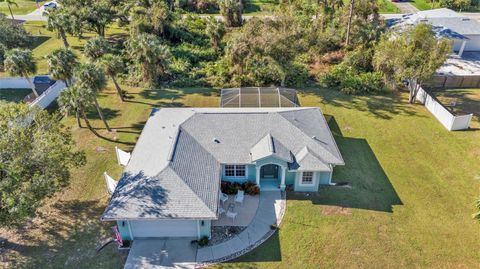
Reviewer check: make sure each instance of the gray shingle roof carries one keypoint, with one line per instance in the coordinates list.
(175, 168)
(305, 160)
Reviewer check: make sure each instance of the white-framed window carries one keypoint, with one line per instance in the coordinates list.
(235, 170)
(307, 178)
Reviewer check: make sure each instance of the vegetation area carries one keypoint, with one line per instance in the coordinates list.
(13, 95)
(458, 5)
(121, 58)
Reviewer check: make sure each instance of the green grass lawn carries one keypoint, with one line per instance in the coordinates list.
(13, 95)
(386, 6)
(24, 7)
(465, 101)
(425, 4)
(413, 185)
(44, 42)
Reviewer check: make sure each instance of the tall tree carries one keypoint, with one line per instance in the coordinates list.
(152, 56)
(76, 100)
(412, 56)
(215, 31)
(92, 79)
(113, 65)
(231, 10)
(96, 47)
(10, 3)
(61, 64)
(59, 21)
(20, 62)
(35, 161)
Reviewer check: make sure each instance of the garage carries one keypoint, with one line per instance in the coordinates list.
(163, 228)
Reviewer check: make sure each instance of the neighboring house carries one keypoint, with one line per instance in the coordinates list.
(171, 186)
(464, 31)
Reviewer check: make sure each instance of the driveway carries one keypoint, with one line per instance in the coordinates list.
(161, 253)
(406, 7)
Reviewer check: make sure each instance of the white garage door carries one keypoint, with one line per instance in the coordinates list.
(164, 228)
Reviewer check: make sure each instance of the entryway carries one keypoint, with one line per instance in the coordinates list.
(269, 177)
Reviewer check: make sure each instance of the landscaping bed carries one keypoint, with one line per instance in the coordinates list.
(14, 95)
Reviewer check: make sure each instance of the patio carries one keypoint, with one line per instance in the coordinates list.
(245, 212)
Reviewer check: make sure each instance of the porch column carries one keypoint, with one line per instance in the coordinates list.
(282, 182)
(258, 176)
(460, 52)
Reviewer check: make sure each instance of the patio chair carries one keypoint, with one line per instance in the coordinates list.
(111, 183)
(123, 157)
(221, 211)
(232, 215)
(239, 197)
(223, 198)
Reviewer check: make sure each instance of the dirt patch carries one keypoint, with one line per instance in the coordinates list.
(331, 210)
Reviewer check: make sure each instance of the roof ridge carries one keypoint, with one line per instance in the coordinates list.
(316, 141)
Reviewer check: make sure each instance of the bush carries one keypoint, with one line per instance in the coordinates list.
(232, 188)
(351, 81)
(12, 35)
(203, 241)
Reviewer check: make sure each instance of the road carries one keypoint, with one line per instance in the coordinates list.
(405, 7)
(37, 14)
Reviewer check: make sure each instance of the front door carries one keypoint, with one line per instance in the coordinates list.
(269, 171)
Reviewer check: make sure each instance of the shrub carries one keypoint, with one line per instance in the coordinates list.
(203, 241)
(232, 188)
(351, 81)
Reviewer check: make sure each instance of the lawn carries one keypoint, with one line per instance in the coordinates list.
(44, 42)
(24, 7)
(413, 185)
(386, 6)
(425, 4)
(14, 95)
(461, 102)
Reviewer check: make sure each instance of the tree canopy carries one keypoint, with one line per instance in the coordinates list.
(35, 161)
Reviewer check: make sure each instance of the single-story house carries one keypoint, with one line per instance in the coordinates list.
(464, 31)
(171, 185)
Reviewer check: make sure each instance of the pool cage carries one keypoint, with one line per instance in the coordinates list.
(259, 97)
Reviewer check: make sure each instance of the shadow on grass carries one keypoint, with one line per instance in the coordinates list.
(166, 97)
(108, 113)
(37, 41)
(384, 106)
(368, 186)
(67, 238)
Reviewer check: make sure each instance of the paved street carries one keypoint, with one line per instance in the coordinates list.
(405, 7)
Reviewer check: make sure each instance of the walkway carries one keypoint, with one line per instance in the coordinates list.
(406, 7)
(270, 211)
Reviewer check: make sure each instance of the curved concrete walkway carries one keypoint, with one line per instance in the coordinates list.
(270, 211)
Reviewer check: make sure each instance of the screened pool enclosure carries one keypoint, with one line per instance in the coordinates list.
(259, 97)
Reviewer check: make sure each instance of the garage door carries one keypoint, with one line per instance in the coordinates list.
(164, 228)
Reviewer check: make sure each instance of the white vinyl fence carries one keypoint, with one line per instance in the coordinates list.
(445, 117)
(14, 83)
(48, 96)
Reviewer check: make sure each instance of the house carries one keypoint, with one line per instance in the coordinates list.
(464, 31)
(171, 185)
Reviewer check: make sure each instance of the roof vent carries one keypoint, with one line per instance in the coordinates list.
(466, 19)
(216, 141)
(314, 137)
(424, 20)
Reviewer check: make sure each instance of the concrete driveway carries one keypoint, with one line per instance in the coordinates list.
(405, 7)
(161, 253)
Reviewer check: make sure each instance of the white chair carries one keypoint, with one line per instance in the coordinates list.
(111, 183)
(221, 211)
(123, 157)
(239, 197)
(223, 198)
(232, 215)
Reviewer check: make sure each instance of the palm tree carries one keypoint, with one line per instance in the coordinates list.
(20, 62)
(152, 55)
(96, 47)
(231, 10)
(62, 63)
(215, 31)
(59, 21)
(92, 79)
(10, 3)
(75, 100)
(113, 65)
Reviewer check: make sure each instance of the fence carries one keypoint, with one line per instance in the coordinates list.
(443, 81)
(445, 117)
(14, 83)
(48, 96)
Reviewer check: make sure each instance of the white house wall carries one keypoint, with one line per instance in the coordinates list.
(473, 44)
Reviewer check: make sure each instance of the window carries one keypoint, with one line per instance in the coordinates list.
(235, 170)
(307, 178)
